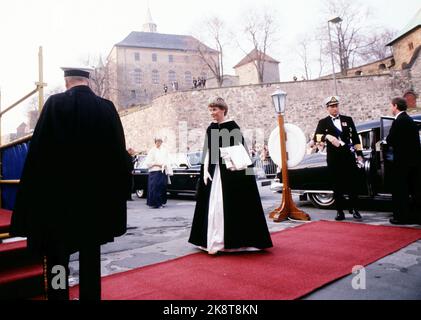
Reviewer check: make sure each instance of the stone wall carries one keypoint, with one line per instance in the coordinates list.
(182, 117)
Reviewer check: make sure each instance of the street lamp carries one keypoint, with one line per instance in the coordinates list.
(334, 20)
(287, 208)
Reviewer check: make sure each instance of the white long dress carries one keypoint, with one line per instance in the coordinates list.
(215, 235)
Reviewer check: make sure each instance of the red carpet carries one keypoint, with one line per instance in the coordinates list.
(303, 259)
(5, 218)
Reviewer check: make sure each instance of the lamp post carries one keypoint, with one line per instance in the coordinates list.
(334, 20)
(287, 208)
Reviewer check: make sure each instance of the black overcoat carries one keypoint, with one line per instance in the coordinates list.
(404, 138)
(244, 220)
(74, 183)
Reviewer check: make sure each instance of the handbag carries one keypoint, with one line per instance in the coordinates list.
(236, 158)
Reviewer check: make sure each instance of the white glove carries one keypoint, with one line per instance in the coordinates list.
(333, 140)
(206, 176)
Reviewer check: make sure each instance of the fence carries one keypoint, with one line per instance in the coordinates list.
(265, 169)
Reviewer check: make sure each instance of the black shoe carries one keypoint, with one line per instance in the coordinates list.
(340, 216)
(355, 214)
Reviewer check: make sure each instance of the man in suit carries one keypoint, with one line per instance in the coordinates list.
(404, 138)
(68, 201)
(340, 135)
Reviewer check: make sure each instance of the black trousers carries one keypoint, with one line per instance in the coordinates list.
(344, 175)
(89, 274)
(406, 193)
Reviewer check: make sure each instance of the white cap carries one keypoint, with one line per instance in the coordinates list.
(77, 71)
(331, 100)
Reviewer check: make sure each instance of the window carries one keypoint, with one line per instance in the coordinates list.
(133, 94)
(170, 58)
(137, 56)
(382, 66)
(366, 138)
(358, 73)
(154, 57)
(172, 76)
(137, 76)
(155, 77)
(411, 46)
(188, 78)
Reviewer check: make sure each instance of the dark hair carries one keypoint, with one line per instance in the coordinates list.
(400, 103)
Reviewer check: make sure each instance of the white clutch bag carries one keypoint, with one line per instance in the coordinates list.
(236, 157)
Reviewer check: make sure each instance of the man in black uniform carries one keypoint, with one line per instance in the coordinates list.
(404, 138)
(68, 201)
(339, 133)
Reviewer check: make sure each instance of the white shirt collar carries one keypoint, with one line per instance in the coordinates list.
(398, 114)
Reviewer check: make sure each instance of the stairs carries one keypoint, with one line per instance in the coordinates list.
(21, 273)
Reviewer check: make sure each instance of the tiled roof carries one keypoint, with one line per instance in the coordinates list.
(253, 55)
(161, 41)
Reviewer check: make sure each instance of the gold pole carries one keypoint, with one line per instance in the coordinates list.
(287, 208)
(40, 83)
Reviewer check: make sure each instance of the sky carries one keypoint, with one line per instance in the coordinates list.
(71, 32)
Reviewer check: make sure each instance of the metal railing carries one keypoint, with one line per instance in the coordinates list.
(38, 89)
(267, 166)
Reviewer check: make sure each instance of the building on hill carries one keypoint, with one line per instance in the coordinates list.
(145, 62)
(405, 48)
(247, 70)
(405, 44)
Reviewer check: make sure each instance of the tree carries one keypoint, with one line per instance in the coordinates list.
(304, 51)
(216, 31)
(353, 41)
(260, 29)
(376, 48)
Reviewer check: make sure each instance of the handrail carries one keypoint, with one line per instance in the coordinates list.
(40, 89)
(9, 181)
(4, 235)
(19, 101)
(17, 141)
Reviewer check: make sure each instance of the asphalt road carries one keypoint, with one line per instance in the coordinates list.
(156, 235)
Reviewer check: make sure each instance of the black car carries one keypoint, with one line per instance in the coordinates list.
(310, 178)
(186, 168)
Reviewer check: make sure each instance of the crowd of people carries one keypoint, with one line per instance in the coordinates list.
(200, 82)
(82, 208)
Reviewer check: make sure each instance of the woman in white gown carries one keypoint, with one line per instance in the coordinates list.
(228, 215)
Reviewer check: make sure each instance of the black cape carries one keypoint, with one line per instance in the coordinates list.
(244, 220)
(74, 184)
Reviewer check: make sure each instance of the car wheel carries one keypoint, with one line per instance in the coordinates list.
(141, 193)
(322, 200)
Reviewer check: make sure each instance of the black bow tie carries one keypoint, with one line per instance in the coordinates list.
(335, 118)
